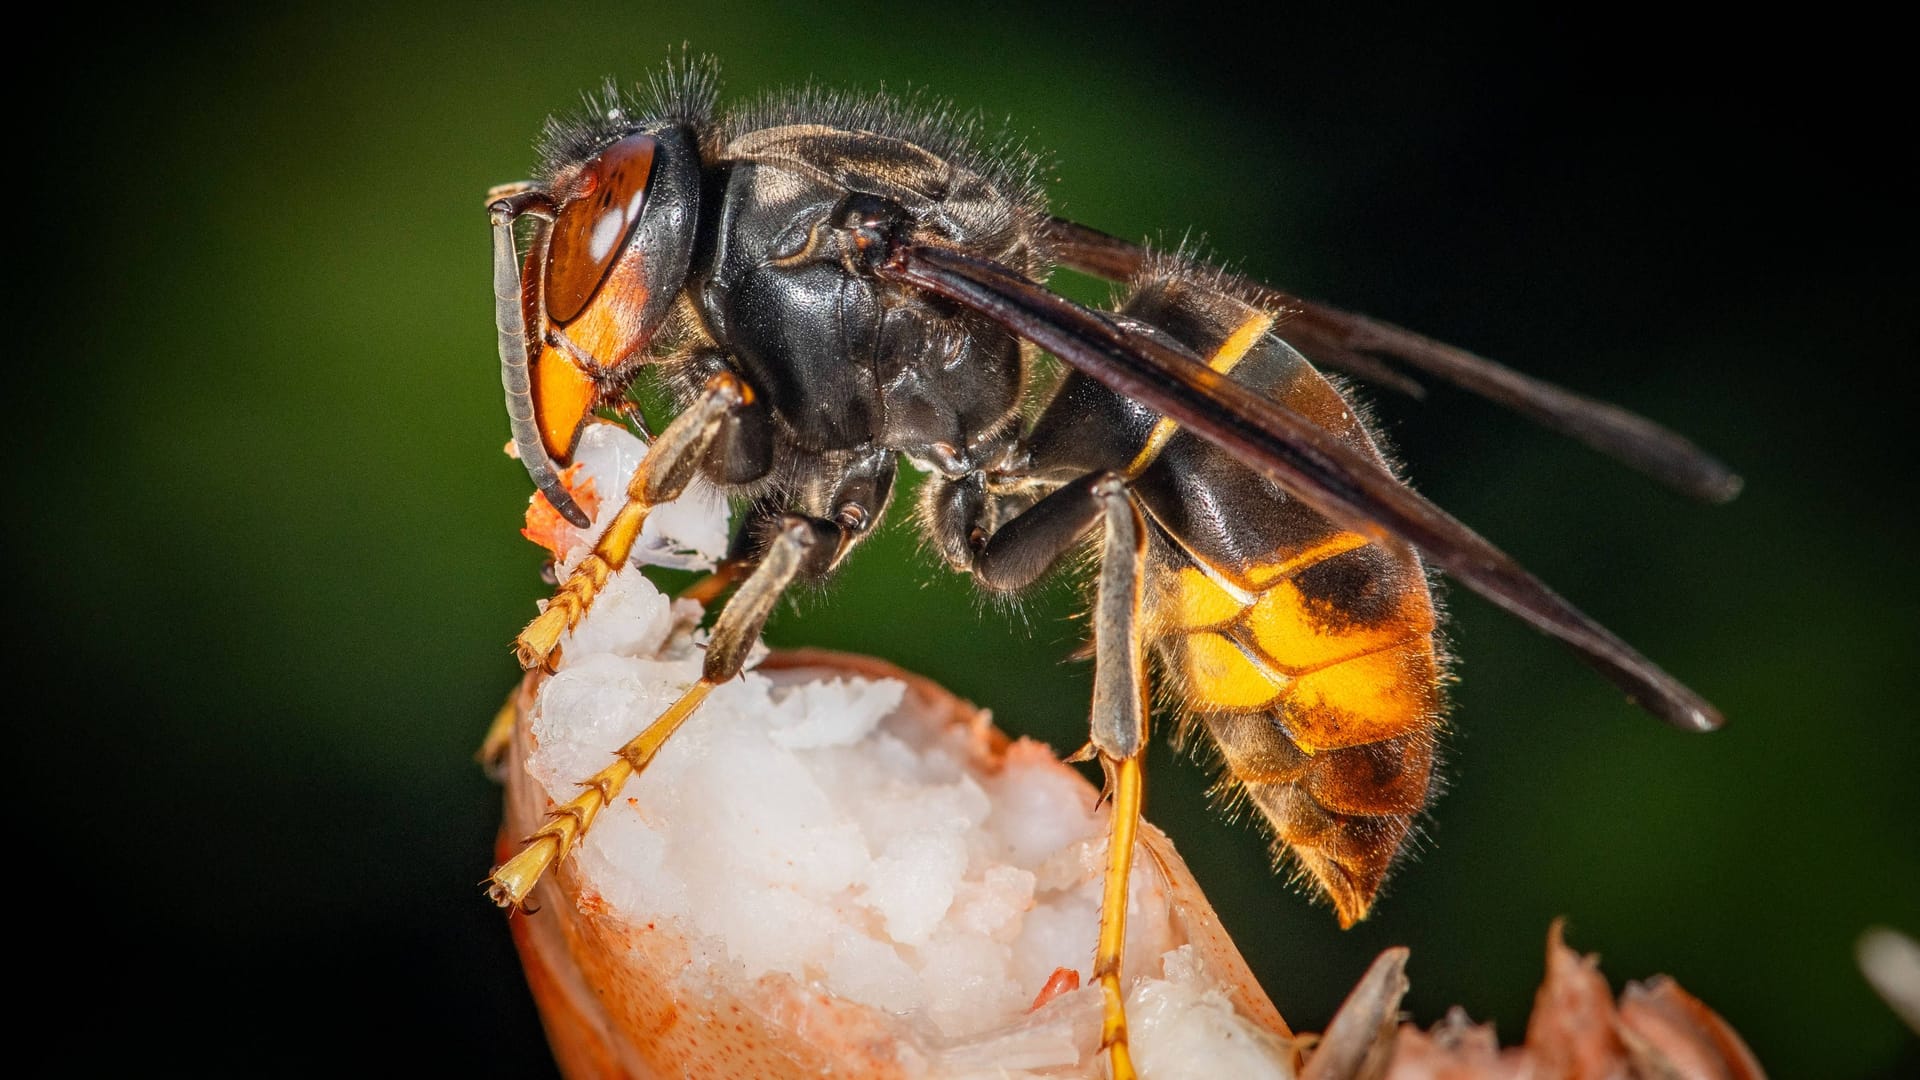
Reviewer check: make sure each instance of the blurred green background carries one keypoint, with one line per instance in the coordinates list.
(267, 553)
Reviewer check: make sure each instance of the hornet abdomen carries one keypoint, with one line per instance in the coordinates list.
(1305, 649)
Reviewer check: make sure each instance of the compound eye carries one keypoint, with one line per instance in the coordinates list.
(590, 230)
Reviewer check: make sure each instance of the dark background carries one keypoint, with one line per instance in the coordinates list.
(265, 540)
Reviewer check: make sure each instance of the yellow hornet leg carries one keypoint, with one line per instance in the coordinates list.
(1124, 777)
(514, 879)
(1019, 549)
(1119, 734)
(734, 633)
(661, 477)
(493, 748)
(708, 588)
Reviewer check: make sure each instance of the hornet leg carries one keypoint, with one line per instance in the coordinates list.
(492, 754)
(758, 519)
(734, 632)
(1119, 734)
(1016, 555)
(661, 477)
